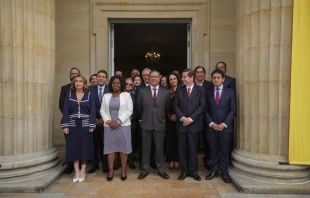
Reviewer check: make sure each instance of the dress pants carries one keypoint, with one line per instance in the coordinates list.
(159, 139)
(98, 146)
(220, 148)
(188, 153)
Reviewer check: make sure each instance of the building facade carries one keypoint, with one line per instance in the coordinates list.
(42, 40)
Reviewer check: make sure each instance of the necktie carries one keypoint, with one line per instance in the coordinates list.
(100, 95)
(154, 96)
(189, 92)
(217, 96)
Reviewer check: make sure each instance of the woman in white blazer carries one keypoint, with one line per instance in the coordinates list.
(116, 110)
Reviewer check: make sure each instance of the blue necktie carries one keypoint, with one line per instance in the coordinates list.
(100, 94)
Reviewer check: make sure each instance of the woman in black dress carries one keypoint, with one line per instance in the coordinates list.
(79, 121)
(171, 141)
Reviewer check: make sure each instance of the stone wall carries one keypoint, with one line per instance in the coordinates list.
(72, 50)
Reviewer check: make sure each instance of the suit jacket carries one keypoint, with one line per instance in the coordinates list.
(192, 107)
(230, 82)
(224, 112)
(141, 86)
(207, 85)
(64, 91)
(153, 115)
(125, 108)
(94, 91)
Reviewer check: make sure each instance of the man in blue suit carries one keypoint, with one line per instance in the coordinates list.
(221, 108)
(189, 105)
(97, 92)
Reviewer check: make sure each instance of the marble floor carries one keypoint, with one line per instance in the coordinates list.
(96, 185)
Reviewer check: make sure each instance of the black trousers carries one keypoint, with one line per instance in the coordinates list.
(188, 143)
(220, 148)
(98, 146)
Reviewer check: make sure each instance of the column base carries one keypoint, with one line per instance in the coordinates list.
(33, 183)
(262, 174)
(250, 186)
(29, 173)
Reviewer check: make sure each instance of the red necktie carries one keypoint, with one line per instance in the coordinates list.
(154, 96)
(189, 92)
(217, 97)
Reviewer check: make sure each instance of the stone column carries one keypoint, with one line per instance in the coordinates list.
(28, 161)
(264, 32)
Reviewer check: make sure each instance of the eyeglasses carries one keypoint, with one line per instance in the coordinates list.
(129, 84)
(154, 76)
(145, 75)
(135, 73)
(74, 73)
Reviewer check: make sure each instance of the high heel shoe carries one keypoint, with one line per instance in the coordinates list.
(110, 178)
(75, 180)
(82, 178)
(123, 178)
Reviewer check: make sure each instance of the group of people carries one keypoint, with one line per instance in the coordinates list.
(152, 118)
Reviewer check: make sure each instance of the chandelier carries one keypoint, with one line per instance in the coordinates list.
(152, 55)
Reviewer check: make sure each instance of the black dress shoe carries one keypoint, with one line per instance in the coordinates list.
(105, 169)
(226, 177)
(69, 169)
(153, 165)
(143, 175)
(164, 175)
(93, 169)
(212, 175)
(196, 177)
(132, 166)
(182, 176)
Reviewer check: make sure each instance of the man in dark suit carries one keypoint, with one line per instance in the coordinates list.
(229, 82)
(153, 105)
(64, 90)
(221, 108)
(189, 105)
(200, 75)
(97, 92)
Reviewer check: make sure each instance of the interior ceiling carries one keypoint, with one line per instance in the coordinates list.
(136, 39)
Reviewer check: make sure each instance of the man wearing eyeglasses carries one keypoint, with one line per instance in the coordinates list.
(134, 73)
(153, 104)
(64, 90)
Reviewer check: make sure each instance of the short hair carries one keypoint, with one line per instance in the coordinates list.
(72, 68)
(200, 67)
(177, 76)
(222, 63)
(131, 81)
(190, 72)
(122, 81)
(117, 71)
(146, 69)
(91, 77)
(72, 87)
(103, 71)
(154, 70)
(219, 71)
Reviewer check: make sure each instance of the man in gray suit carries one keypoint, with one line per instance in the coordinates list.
(153, 104)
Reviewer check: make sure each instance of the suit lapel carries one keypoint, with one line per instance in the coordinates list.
(222, 95)
(159, 94)
(185, 92)
(149, 93)
(193, 93)
(212, 94)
